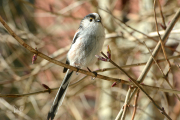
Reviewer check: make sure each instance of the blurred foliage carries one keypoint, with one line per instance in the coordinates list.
(49, 26)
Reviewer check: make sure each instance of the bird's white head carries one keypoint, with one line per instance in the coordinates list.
(90, 20)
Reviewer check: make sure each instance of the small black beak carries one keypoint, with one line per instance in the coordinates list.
(98, 20)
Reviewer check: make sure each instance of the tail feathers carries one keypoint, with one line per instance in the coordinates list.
(65, 69)
(60, 95)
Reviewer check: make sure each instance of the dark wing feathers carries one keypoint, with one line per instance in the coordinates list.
(75, 37)
(74, 40)
(65, 69)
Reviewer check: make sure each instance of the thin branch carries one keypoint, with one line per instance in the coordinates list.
(125, 105)
(121, 22)
(140, 87)
(77, 82)
(162, 45)
(162, 16)
(129, 26)
(12, 108)
(155, 52)
(137, 64)
(135, 104)
(158, 46)
(164, 76)
(55, 61)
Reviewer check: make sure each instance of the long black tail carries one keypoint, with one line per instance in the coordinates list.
(60, 95)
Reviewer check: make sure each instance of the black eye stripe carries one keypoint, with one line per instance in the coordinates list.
(100, 17)
(75, 37)
(90, 16)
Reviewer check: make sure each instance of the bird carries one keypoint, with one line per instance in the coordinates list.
(87, 42)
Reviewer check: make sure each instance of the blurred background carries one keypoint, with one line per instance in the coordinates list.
(49, 26)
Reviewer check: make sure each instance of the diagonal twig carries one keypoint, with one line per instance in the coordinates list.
(164, 76)
(155, 52)
(162, 44)
(162, 16)
(55, 61)
(140, 87)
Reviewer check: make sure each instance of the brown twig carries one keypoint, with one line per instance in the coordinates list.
(162, 44)
(164, 76)
(135, 104)
(125, 104)
(44, 62)
(129, 26)
(140, 87)
(75, 83)
(137, 64)
(55, 61)
(155, 52)
(28, 94)
(162, 16)
(121, 22)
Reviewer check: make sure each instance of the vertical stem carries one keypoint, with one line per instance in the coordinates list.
(126, 104)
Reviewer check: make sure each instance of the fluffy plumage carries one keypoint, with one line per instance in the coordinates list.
(87, 42)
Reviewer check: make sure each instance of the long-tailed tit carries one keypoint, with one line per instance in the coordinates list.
(87, 43)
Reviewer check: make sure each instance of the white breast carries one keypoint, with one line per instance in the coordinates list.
(88, 44)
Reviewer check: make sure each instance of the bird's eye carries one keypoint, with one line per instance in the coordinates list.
(90, 19)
